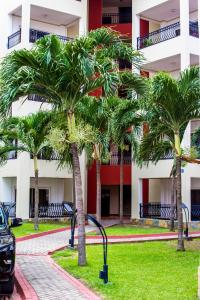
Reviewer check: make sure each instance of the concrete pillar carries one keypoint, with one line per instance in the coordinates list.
(136, 198)
(135, 26)
(23, 186)
(186, 190)
(184, 27)
(25, 22)
(83, 168)
(83, 21)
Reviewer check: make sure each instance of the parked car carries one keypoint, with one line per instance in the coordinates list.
(7, 251)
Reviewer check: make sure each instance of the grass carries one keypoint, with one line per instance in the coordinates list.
(131, 229)
(28, 228)
(142, 271)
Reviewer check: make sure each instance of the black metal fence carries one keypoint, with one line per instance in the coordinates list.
(158, 36)
(36, 98)
(53, 210)
(195, 212)
(116, 18)
(14, 39)
(194, 30)
(116, 159)
(34, 35)
(157, 211)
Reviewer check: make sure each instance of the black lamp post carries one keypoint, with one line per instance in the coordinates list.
(73, 216)
(104, 273)
(186, 231)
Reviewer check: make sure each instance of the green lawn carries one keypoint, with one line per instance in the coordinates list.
(142, 271)
(131, 229)
(28, 228)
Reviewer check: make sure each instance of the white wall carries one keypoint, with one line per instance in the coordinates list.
(56, 187)
(7, 189)
(154, 190)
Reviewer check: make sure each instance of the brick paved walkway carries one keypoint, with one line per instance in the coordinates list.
(48, 283)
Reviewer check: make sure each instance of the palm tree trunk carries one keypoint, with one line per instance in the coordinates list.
(180, 246)
(79, 206)
(173, 203)
(121, 188)
(36, 223)
(98, 196)
(74, 187)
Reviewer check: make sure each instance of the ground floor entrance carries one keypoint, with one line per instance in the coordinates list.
(110, 197)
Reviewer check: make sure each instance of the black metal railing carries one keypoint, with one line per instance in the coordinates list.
(14, 39)
(34, 35)
(12, 154)
(37, 34)
(52, 210)
(194, 29)
(116, 18)
(45, 155)
(195, 212)
(158, 36)
(116, 159)
(157, 211)
(36, 98)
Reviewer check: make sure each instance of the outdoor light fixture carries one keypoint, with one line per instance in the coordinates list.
(186, 212)
(104, 273)
(73, 216)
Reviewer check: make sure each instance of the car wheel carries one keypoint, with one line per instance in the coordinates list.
(6, 288)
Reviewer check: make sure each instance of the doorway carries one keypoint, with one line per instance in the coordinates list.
(105, 202)
(43, 198)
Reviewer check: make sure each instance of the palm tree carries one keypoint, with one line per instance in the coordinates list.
(31, 133)
(125, 124)
(64, 73)
(171, 105)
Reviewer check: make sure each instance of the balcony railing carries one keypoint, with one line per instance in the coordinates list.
(35, 35)
(43, 155)
(194, 30)
(157, 211)
(52, 210)
(195, 212)
(116, 159)
(116, 18)
(165, 33)
(36, 98)
(158, 36)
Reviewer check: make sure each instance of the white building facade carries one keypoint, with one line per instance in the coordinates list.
(22, 23)
(172, 45)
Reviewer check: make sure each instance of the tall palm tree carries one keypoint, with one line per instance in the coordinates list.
(125, 127)
(31, 133)
(64, 73)
(171, 105)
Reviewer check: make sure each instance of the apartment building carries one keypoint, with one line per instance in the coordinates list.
(172, 44)
(22, 23)
(167, 33)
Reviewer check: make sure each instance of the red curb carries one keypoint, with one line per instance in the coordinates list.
(138, 235)
(79, 285)
(24, 289)
(36, 235)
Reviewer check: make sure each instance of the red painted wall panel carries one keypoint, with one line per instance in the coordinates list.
(144, 27)
(95, 14)
(145, 191)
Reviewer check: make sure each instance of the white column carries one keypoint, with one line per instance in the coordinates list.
(136, 198)
(135, 27)
(186, 190)
(184, 28)
(199, 27)
(23, 186)
(83, 169)
(25, 22)
(83, 21)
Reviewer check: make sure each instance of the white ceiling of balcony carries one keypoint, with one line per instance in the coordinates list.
(167, 11)
(169, 64)
(118, 3)
(45, 15)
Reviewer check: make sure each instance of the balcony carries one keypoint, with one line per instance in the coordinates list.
(164, 34)
(116, 18)
(15, 38)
